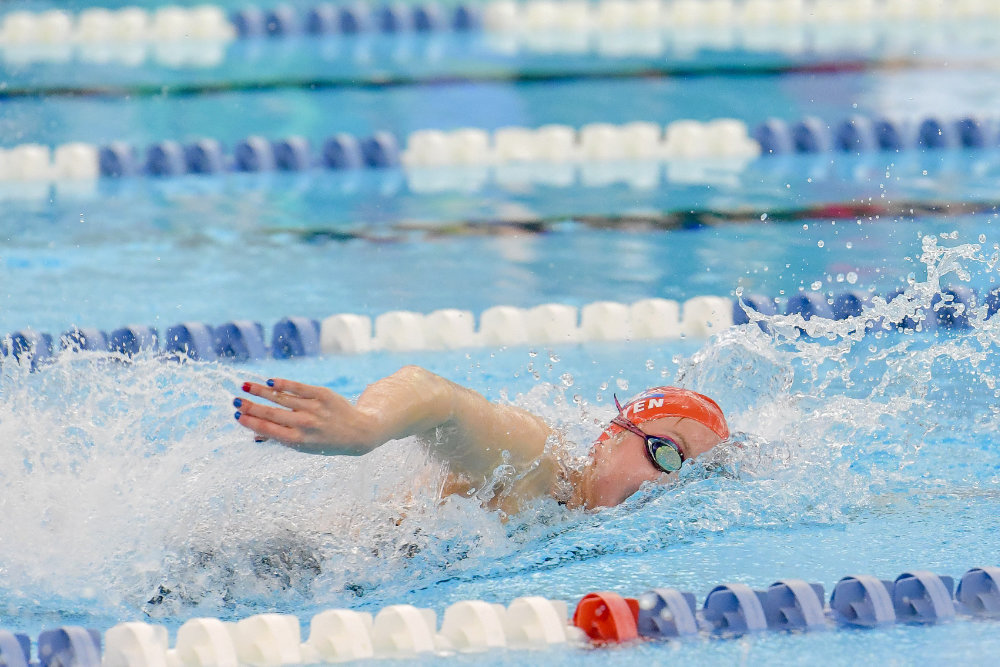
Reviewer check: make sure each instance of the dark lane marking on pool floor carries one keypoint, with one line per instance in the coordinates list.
(501, 75)
(668, 221)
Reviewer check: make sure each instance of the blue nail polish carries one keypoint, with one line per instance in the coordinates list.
(238, 415)
(237, 402)
(270, 383)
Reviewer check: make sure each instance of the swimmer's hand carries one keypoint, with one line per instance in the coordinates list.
(312, 419)
(477, 436)
(411, 401)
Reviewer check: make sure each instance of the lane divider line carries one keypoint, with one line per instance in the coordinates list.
(174, 23)
(808, 46)
(449, 329)
(601, 618)
(436, 160)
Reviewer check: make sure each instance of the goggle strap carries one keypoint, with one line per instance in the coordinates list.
(625, 422)
(628, 426)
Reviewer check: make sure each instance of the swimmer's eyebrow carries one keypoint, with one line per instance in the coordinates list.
(680, 438)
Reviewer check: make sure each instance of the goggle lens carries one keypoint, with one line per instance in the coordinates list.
(665, 454)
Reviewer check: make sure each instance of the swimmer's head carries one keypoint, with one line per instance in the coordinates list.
(619, 460)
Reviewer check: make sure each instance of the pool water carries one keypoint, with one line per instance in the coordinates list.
(132, 484)
(131, 494)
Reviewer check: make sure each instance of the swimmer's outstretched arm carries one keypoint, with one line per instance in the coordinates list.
(463, 428)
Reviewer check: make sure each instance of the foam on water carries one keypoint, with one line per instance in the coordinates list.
(128, 490)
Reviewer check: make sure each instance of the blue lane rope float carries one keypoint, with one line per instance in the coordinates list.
(547, 324)
(69, 645)
(916, 597)
(331, 18)
(860, 134)
(429, 154)
(15, 649)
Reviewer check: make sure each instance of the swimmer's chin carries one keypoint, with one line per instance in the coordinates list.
(592, 494)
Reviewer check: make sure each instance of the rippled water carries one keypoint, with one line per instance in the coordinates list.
(129, 492)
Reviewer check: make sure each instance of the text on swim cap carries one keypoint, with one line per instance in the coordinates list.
(643, 404)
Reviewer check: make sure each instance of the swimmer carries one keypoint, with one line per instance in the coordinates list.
(649, 439)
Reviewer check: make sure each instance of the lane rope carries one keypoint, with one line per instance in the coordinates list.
(450, 329)
(568, 17)
(600, 619)
(614, 30)
(724, 143)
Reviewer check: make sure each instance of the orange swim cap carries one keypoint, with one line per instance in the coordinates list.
(660, 402)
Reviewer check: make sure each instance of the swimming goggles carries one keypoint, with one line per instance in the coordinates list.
(663, 452)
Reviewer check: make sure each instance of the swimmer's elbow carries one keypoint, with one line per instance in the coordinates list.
(438, 392)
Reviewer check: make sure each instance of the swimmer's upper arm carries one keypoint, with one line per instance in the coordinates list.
(483, 435)
(461, 427)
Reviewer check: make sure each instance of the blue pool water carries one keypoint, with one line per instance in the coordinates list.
(130, 494)
(316, 114)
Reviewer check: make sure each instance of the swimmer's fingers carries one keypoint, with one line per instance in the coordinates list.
(283, 398)
(290, 418)
(299, 388)
(268, 429)
(323, 421)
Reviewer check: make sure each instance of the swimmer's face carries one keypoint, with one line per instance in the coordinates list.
(619, 465)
